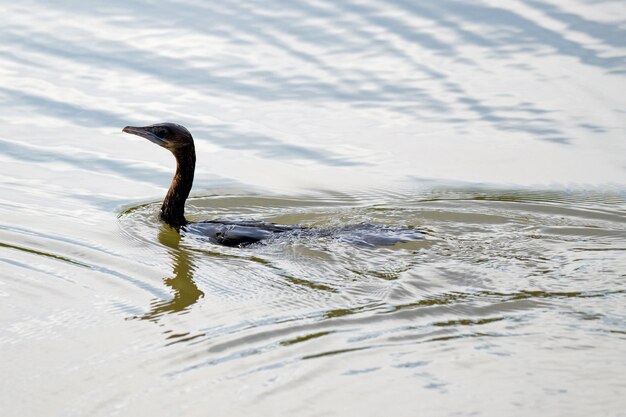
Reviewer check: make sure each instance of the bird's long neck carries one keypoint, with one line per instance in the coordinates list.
(173, 208)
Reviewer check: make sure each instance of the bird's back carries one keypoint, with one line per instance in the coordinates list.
(236, 232)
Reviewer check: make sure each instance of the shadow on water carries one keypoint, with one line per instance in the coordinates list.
(525, 32)
(83, 160)
(269, 147)
(360, 86)
(186, 292)
(604, 32)
(78, 114)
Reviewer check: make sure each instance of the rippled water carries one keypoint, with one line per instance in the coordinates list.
(496, 130)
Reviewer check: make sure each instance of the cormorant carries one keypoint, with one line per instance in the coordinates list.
(178, 140)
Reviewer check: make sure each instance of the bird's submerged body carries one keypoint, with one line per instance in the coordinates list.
(179, 141)
(237, 232)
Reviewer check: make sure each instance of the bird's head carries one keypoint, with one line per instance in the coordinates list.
(168, 135)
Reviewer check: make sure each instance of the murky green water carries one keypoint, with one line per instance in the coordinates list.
(495, 130)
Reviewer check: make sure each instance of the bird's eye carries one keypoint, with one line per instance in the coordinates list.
(161, 132)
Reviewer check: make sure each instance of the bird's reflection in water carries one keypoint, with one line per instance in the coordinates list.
(186, 292)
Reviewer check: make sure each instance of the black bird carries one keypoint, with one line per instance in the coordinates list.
(179, 141)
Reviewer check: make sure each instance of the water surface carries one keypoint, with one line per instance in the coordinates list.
(495, 130)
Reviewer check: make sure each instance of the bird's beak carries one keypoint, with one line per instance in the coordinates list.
(144, 133)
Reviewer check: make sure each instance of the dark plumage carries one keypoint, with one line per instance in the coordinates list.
(179, 141)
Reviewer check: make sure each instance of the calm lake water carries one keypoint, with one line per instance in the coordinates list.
(496, 129)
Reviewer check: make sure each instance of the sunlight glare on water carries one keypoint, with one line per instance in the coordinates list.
(492, 133)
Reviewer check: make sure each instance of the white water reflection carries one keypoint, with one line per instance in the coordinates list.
(530, 93)
(321, 113)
